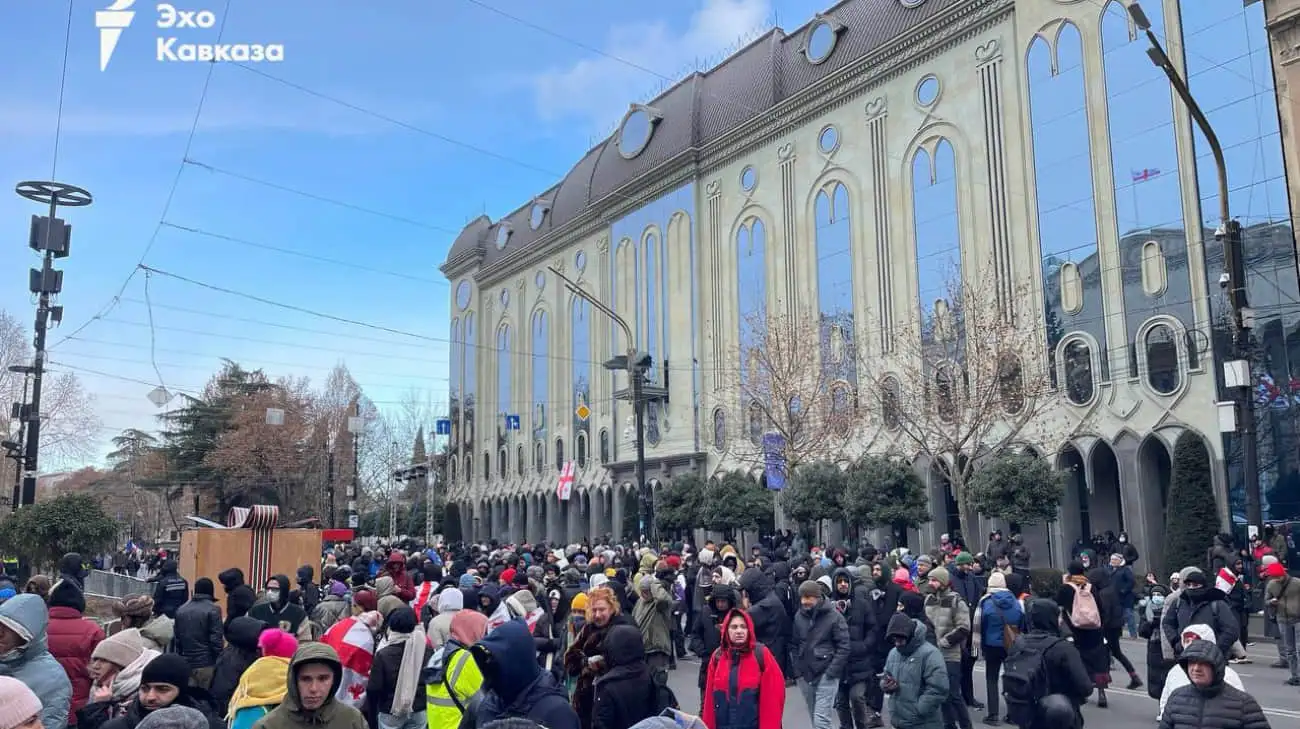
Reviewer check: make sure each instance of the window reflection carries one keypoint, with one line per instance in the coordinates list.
(651, 335)
(719, 429)
(559, 454)
(1163, 372)
(1079, 386)
(835, 282)
(1144, 157)
(604, 446)
(541, 372)
(503, 379)
(457, 354)
(470, 380)
(1067, 226)
(938, 241)
(756, 423)
(580, 360)
(890, 403)
(580, 448)
(1011, 384)
(751, 279)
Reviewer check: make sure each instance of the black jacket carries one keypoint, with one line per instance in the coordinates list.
(1066, 673)
(1204, 606)
(199, 632)
(625, 693)
(383, 680)
(820, 646)
(239, 596)
(240, 652)
(859, 613)
(308, 590)
(282, 614)
(136, 714)
(884, 597)
(766, 610)
(1217, 706)
(170, 592)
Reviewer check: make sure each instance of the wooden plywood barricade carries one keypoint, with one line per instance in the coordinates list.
(209, 552)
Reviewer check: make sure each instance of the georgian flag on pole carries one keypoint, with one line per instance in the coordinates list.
(1225, 581)
(564, 488)
(352, 640)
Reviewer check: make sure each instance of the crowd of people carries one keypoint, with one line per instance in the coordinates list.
(584, 636)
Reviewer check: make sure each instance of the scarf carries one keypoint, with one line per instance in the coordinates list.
(264, 683)
(408, 675)
(126, 684)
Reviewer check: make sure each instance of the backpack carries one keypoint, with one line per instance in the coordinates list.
(1084, 612)
(1009, 632)
(760, 655)
(1025, 678)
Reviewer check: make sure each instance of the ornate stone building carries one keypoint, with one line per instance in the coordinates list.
(833, 168)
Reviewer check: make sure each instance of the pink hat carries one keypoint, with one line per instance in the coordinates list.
(275, 642)
(17, 703)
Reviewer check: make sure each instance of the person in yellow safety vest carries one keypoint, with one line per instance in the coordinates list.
(452, 676)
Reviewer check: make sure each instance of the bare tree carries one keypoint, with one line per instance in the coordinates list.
(70, 427)
(966, 380)
(795, 390)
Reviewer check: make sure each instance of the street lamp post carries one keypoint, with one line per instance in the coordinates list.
(636, 363)
(1237, 372)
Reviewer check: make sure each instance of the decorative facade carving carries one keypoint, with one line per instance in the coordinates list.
(876, 107)
(785, 151)
(558, 264)
(990, 51)
(1286, 39)
(714, 188)
(602, 245)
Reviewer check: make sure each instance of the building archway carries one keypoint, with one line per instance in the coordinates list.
(1075, 500)
(1104, 502)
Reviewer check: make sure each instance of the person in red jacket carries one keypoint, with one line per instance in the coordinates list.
(395, 568)
(72, 641)
(743, 689)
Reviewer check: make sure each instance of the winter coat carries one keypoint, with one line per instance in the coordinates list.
(1066, 673)
(1125, 585)
(884, 596)
(1217, 706)
(396, 568)
(382, 683)
(1286, 590)
(33, 664)
(737, 694)
(240, 653)
(589, 642)
(158, 633)
(624, 694)
(704, 638)
(333, 714)
(521, 688)
(820, 647)
(450, 602)
(330, 610)
(1158, 666)
(1090, 642)
(283, 614)
(860, 617)
(996, 609)
(199, 632)
(653, 614)
(950, 616)
(72, 639)
(170, 592)
(136, 713)
(922, 676)
(308, 590)
(239, 596)
(1205, 606)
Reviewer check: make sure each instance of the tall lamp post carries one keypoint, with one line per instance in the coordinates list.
(636, 363)
(1236, 371)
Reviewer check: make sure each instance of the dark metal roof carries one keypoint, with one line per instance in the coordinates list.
(701, 109)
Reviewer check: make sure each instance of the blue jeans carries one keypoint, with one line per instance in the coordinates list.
(1131, 620)
(820, 698)
(414, 720)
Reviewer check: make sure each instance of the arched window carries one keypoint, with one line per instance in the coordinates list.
(541, 356)
(580, 448)
(841, 406)
(580, 360)
(889, 403)
(757, 423)
(469, 468)
(451, 470)
(503, 457)
(719, 429)
(604, 446)
(835, 281)
(652, 267)
(1163, 372)
(520, 461)
(945, 393)
(1079, 385)
(1011, 384)
(487, 466)
(503, 379)
(539, 456)
(453, 392)
(938, 243)
(751, 281)
(469, 383)
(559, 454)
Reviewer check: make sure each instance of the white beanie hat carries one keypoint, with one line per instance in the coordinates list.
(17, 703)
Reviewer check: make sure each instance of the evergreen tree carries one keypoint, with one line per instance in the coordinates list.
(418, 453)
(1192, 517)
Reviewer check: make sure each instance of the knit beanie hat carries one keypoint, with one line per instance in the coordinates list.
(997, 580)
(169, 668)
(204, 586)
(277, 643)
(366, 600)
(964, 558)
(17, 703)
(121, 649)
(940, 575)
(338, 589)
(466, 581)
(578, 604)
(809, 588)
(174, 717)
(66, 594)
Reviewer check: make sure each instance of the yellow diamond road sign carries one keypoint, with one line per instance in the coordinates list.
(583, 412)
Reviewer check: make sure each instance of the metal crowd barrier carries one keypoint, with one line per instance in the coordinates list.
(111, 584)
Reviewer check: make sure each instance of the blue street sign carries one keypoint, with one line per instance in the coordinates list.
(442, 427)
(512, 422)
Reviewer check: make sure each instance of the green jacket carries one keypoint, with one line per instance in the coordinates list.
(654, 616)
(950, 617)
(922, 683)
(333, 714)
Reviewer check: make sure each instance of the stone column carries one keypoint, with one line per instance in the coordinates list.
(555, 523)
(616, 513)
(1283, 19)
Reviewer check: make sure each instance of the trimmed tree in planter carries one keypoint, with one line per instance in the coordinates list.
(886, 492)
(1192, 516)
(1018, 488)
(815, 492)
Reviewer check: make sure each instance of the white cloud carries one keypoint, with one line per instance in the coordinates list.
(598, 90)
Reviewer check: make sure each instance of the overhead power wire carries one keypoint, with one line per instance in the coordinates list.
(303, 254)
(63, 84)
(261, 364)
(171, 192)
(153, 338)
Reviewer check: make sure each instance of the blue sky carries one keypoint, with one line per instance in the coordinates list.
(452, 68)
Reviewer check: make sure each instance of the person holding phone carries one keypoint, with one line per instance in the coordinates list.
(915, 678)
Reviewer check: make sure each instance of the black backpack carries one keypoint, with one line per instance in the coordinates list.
(1025, 677)
(760, 655)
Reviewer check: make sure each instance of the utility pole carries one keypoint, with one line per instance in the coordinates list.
(14, 448)
(1237, 374)
(392, 497)
(355, 426)
(637, 364)
(52, 236)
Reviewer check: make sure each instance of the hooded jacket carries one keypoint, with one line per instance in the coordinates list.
(331, 715)
(653, 614)
(1066, 673)
(1217, 706)
(708, 621)
(239, 596)
(766, 611)
(308, 590)
(72, 640)
(737, 694)
(32, 664)
(860, 616)
(624, 693)
(450, 601)
(171, 591)
(821, 643)
(240, 653)
(1204, 605)
(1177, 676)
(395, 567)
(515, 686)
(283, 614)
(922, 678)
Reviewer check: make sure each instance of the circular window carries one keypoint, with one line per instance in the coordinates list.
(540, 280)
(503, 235)
(748, 179)
(462, 295)
(829, 140)
(821, 41)
(927, 91)
(505, 297)
(537, 216)
(635, 134)
(580, 260)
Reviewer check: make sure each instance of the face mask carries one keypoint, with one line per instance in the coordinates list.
(273, 595)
